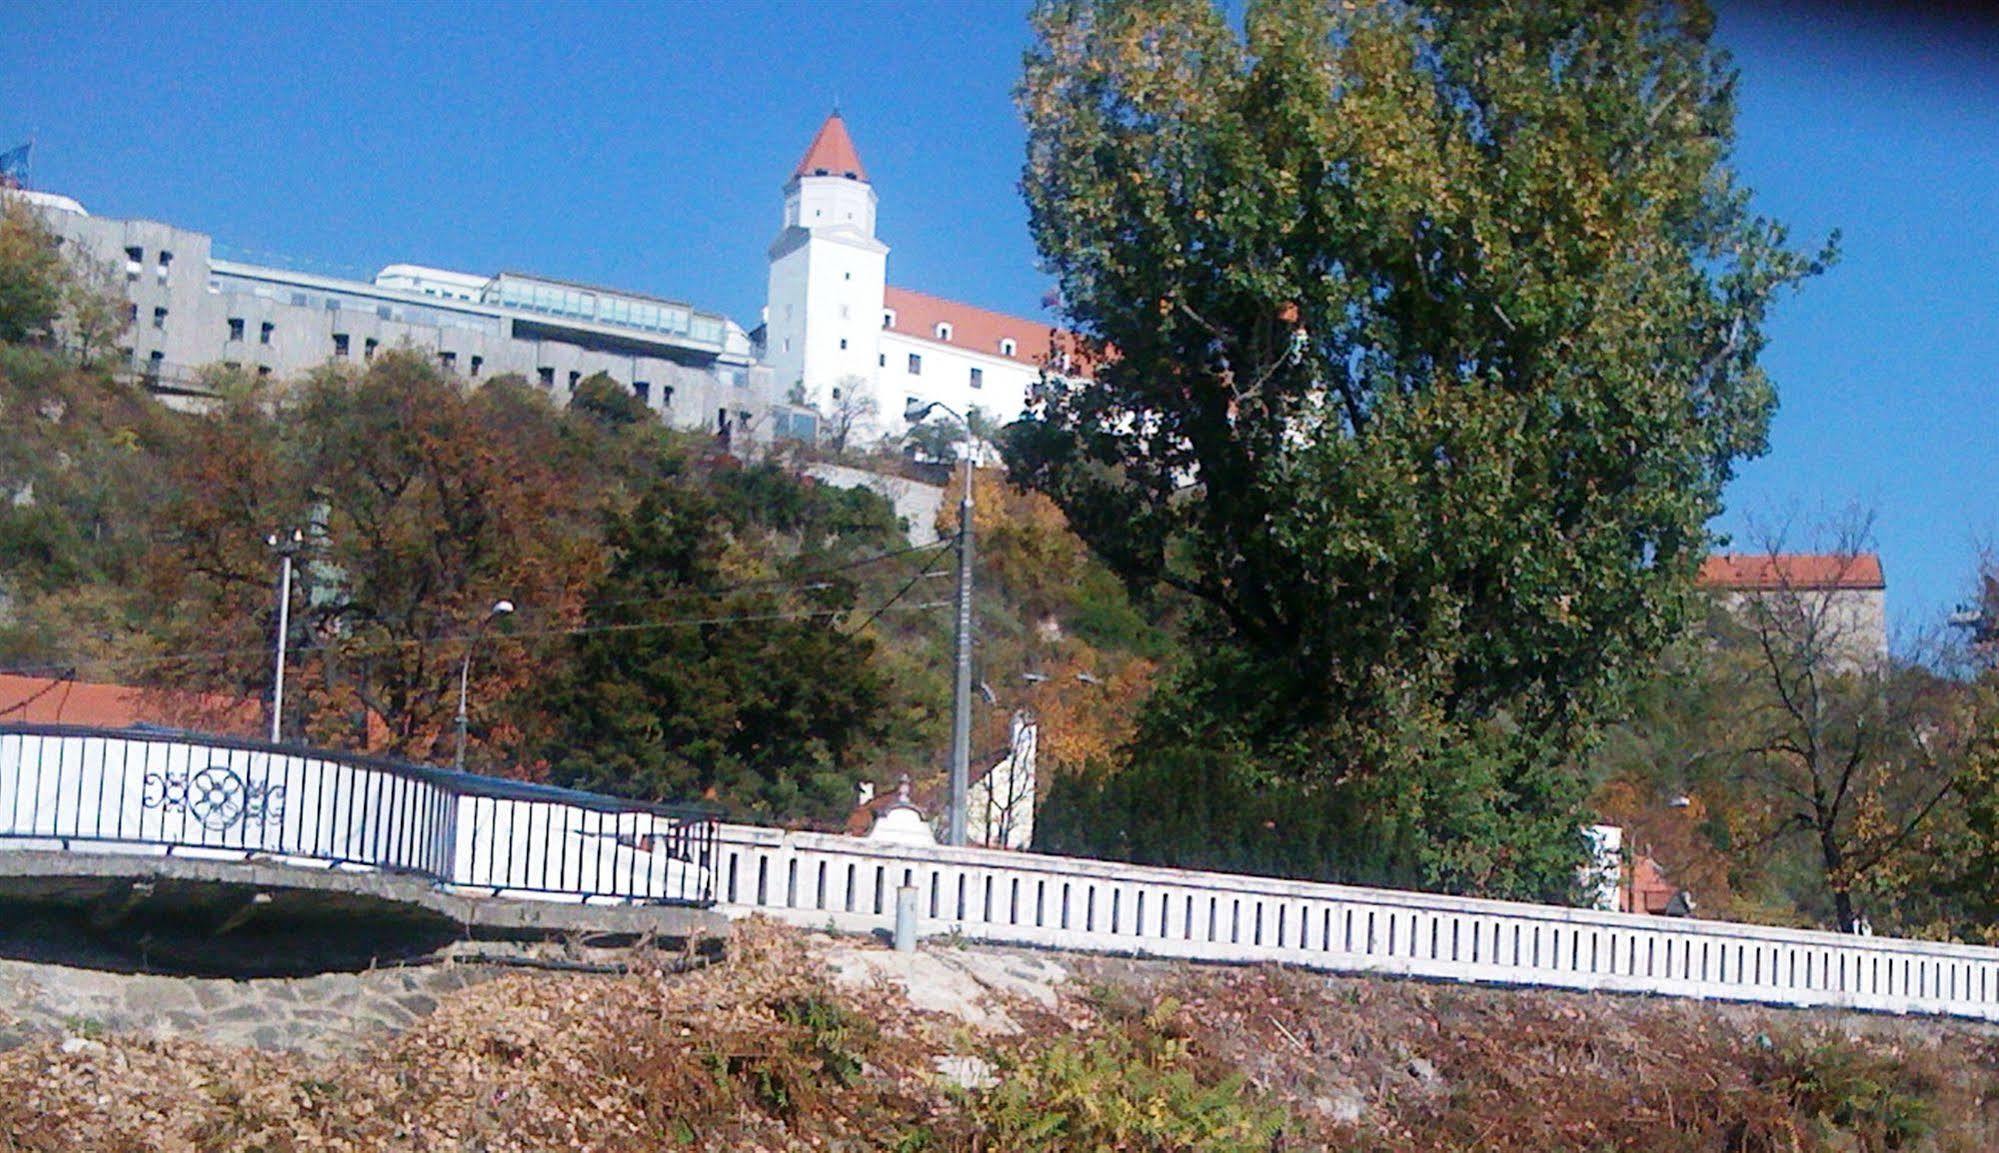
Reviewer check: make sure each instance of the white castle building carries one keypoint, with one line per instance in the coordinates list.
(840, 339)
(839, 349)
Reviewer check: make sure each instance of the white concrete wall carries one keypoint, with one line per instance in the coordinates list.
(947, 378)
(822, 322)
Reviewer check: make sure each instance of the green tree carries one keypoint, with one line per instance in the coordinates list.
(698, 674)
(1423, 339)
(604, 400)
(33, 277)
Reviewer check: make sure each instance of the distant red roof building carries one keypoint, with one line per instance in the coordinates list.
(1796, 571)
(832, 153)
(59, 701)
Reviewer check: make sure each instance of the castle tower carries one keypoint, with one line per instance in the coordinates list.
(823, 316)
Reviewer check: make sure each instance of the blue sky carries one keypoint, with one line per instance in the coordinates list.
(643, 147)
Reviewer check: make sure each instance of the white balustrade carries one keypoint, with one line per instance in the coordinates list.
(170, 794)
(848, 884)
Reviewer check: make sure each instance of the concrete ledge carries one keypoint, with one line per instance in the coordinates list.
(229, 915)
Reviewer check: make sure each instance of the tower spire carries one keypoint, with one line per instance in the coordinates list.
(832, 152)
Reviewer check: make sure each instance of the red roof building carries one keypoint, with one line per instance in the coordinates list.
(1767, 572)
(63, 701)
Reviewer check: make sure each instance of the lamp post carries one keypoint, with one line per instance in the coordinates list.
(286, 547)
(500, 608)
(961, 709)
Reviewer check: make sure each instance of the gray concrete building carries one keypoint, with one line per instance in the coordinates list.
(189, 309)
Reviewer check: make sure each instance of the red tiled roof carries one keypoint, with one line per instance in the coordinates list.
(832, 153)
(917, 315)
(53, 701)
(1762, 573)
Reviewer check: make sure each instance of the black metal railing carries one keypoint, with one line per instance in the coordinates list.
(188, 794)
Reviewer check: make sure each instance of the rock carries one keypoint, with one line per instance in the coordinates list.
(81, 1045)
(1424, 1072)
(966, 1072)
(1343, 1106)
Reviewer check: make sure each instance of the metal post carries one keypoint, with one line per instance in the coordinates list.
(500, 609)
(961, 713)
(285, 551)
(905, 919)
(464, 678)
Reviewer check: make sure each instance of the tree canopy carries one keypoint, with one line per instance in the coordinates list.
(1423, 339)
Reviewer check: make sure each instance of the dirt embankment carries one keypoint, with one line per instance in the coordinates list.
(797, 1042)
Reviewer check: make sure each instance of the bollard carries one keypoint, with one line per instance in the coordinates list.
(905, 919)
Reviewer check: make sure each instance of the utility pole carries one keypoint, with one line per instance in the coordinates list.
(287, 547)
(961, 709)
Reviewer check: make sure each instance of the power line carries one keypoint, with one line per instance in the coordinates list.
(456, 638)
(795, 581)
(901, 592)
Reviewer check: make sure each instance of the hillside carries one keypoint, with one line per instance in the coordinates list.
(797, 1041)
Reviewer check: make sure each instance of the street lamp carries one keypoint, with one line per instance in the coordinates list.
(286, 547)
(961, 709)
(500, 608)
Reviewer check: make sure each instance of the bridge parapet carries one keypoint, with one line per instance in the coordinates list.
(197, 796)
(1033, 899)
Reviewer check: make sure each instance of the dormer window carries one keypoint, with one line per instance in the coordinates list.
(888, 318)
(1007, 346)
(943, 330)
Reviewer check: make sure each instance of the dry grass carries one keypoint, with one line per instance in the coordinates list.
(762, 1053)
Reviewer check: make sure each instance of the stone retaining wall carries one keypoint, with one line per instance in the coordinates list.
(320, 1014)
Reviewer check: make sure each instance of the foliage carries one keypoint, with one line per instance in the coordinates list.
(696, 673)
(607, 402)
(420, 503)
(1840, 1089)
(1129, 1088)
(1423, 340)
(33, 277)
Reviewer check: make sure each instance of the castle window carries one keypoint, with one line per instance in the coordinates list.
(135, 260)
(235, 328)
(264, 332)
(882, 360)
(368, 348)
(843, 344)
(340, 344)
(978, 378)
(546, 376)
(1007, 346)
(166, 258)
(915, 365)
(448, 361)
(575, 378)
(943, 330)
(643, 390)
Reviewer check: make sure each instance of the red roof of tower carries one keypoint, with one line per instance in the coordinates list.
(832, 153)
